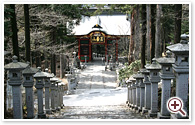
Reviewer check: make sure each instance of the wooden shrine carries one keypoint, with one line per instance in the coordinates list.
(98, 36)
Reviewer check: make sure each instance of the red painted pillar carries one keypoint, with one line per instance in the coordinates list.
(89, 50)
(105, 48)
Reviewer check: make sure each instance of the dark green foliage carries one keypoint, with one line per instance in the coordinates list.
(129, 70)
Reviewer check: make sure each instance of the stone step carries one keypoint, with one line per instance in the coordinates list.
(97, 112)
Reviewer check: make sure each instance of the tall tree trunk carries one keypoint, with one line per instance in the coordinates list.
(137, 36)
(15, 32)
(27, 32)
(131, 44)
(158, 41)
(61, 66)
(148, 35)
(53, 63)
(53, 59)
(38, 60)
(178, 16)
(152, 35)
(143, 32)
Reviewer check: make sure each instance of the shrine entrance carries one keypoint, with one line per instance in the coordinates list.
(97, 43)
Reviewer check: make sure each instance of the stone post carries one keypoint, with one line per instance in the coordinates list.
(137, 92)
(128, 92)
(47, 93)
(69, 84)
(57, 97)
(55, 94)
(166, 75)
(181, 69)
(142, 93)
(52, 87)
(28, 83)
(154, 78)
(9, 98)
(15, 80)
(133, 93)
(61, 93)
(39, 76)
(139, 81)
(147, 98)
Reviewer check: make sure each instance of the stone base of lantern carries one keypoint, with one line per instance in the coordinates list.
(131, 105)
(41, 115)
(135, 108)
(144, 110)
(127, 102)
(139, 109)
(53, 110)
(62, 106)
(159, 116)
(58, 108)
(150, 114)
(48, 111)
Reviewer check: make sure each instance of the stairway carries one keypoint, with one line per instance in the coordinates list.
(97, 112)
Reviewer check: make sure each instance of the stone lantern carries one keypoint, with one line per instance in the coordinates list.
(47, 93)
(53, 89)
(28, 83)
(40, 76)
(154, 78)
(181, 70)
(15, 80)
(133, 93)
(132, 81)
(166, 75)
(128, 91)
(142, 90)
(61, 93)
(57, 95)
(139, 82)
(147, 83)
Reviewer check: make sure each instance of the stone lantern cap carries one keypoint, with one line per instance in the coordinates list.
(15, 64)
(29, 70)
(54, 79)
(154, 66)
(59, 81)
(132, 79)
(49, 75)
(180, 48)
(138, 76)
(40, 74)
(147, 65)
(168, 53)
(128, 81)
(164, 60)
(144, 71)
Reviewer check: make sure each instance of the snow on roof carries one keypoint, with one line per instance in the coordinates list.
(112, 24)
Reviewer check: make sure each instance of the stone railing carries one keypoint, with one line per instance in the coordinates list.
(22, 74)
(142, 95)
